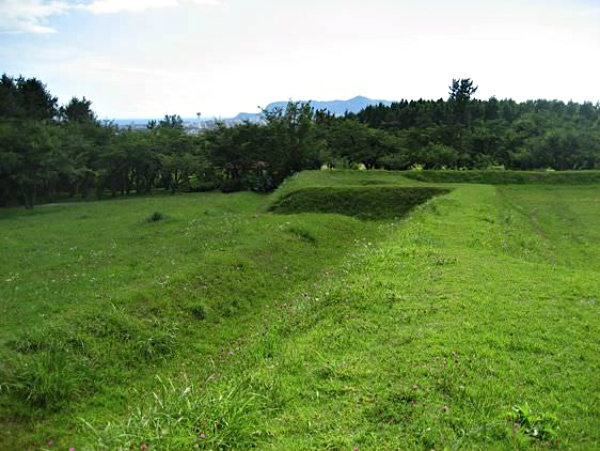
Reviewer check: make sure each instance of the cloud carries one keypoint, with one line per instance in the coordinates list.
(117, 6)
(32, 16)
(592, 12)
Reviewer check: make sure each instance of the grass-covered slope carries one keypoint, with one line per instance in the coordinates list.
(471, 323)
(501, 177)
(99, 298)
(365, 195)
(370, 202)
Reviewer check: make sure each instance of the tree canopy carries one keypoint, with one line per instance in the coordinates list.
(49, 152)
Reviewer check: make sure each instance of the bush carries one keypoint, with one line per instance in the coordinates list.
(231, 185)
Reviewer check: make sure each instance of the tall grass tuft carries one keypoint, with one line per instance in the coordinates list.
(54, 366)
(218, 416)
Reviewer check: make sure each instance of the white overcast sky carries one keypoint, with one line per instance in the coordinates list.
(148, 58)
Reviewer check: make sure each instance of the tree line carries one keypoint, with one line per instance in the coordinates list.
(49, 151)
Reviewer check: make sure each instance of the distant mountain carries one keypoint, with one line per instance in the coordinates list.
(252, 117)
(336, 107)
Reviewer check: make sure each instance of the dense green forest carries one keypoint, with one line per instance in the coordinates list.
(50, 152)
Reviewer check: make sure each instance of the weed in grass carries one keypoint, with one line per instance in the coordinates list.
(198, 311)
(268, 346)
(155, 217)
(217, 416)
(541, 427)
(397, 407)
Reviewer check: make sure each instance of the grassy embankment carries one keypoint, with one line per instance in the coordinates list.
(471, 323)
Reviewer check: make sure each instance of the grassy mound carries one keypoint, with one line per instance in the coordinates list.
(471, 324)
(112, 296)
(507, 177)
(367, 202)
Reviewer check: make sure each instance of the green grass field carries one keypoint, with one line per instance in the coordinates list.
(211, 321)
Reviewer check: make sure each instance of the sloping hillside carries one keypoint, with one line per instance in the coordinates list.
(469, 322)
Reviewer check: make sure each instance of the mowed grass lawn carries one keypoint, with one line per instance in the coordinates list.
(471, 323)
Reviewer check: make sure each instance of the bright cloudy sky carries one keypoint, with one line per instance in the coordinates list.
(147, 58)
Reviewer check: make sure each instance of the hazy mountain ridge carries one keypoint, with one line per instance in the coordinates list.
(336, 107)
